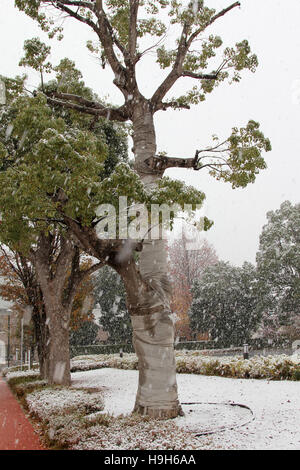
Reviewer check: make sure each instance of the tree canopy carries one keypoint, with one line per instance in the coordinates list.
(178, 33)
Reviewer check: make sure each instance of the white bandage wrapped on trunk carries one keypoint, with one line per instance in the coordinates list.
(153, 339)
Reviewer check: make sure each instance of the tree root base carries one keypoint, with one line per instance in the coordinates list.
(162, 413)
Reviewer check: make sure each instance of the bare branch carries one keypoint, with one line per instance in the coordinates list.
(132, 34)
(183, 47)
(62, 6)
(171, 104)
(87, 272)
(160, 163)
(107, 38)
(103, 30)
(112, 114)
(176, 71)
(223, 12)
(75, 3)
(200, 76)
(211, 21)
(78, 99)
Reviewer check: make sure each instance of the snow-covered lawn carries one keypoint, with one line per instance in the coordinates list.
(275, 404)
(95, 412)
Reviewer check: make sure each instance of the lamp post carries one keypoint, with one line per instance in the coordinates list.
(22, 340)
(8, 340)
(246, 351)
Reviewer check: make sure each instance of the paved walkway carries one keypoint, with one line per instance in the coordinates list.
(16, 431)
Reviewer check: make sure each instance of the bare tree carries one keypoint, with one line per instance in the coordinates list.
(189, 256)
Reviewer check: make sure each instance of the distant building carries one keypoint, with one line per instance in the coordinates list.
(102, 335)
(4, 312)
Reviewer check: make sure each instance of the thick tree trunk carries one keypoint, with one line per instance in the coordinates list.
(153, 339)
(57, 305)
(58, 364)
(153, 328)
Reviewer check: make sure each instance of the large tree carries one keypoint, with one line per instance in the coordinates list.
(278, 267)
(226, 303)
(121, 30)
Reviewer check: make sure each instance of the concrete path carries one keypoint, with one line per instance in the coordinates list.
(16, 431)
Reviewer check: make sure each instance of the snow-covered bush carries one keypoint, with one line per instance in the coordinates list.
(62, 411)
(99, 361)
(58, 401)
(281, 367)
(12, 372)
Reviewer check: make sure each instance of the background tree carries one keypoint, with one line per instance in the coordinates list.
(120, 28)
(43, 156)
(189, 256)
(278, 265)
(20, 286)
(85, 334)
(226, 303)
(109, 293)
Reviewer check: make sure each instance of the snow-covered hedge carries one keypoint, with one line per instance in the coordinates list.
(14, 372)
(99, 361)
(258, 367)
(281, 367)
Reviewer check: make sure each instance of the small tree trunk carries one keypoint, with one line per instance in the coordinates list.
(32, 350)
(41, 338)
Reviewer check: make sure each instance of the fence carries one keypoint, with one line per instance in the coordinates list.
(256, 346)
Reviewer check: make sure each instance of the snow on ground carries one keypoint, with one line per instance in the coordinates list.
(275, 404)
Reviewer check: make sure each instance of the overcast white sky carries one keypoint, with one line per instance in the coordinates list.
(270, 96)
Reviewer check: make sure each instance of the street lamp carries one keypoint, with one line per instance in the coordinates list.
(246, 351)
(7, 312)
(22, 341)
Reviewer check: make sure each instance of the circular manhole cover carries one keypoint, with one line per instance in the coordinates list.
(208, 418)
